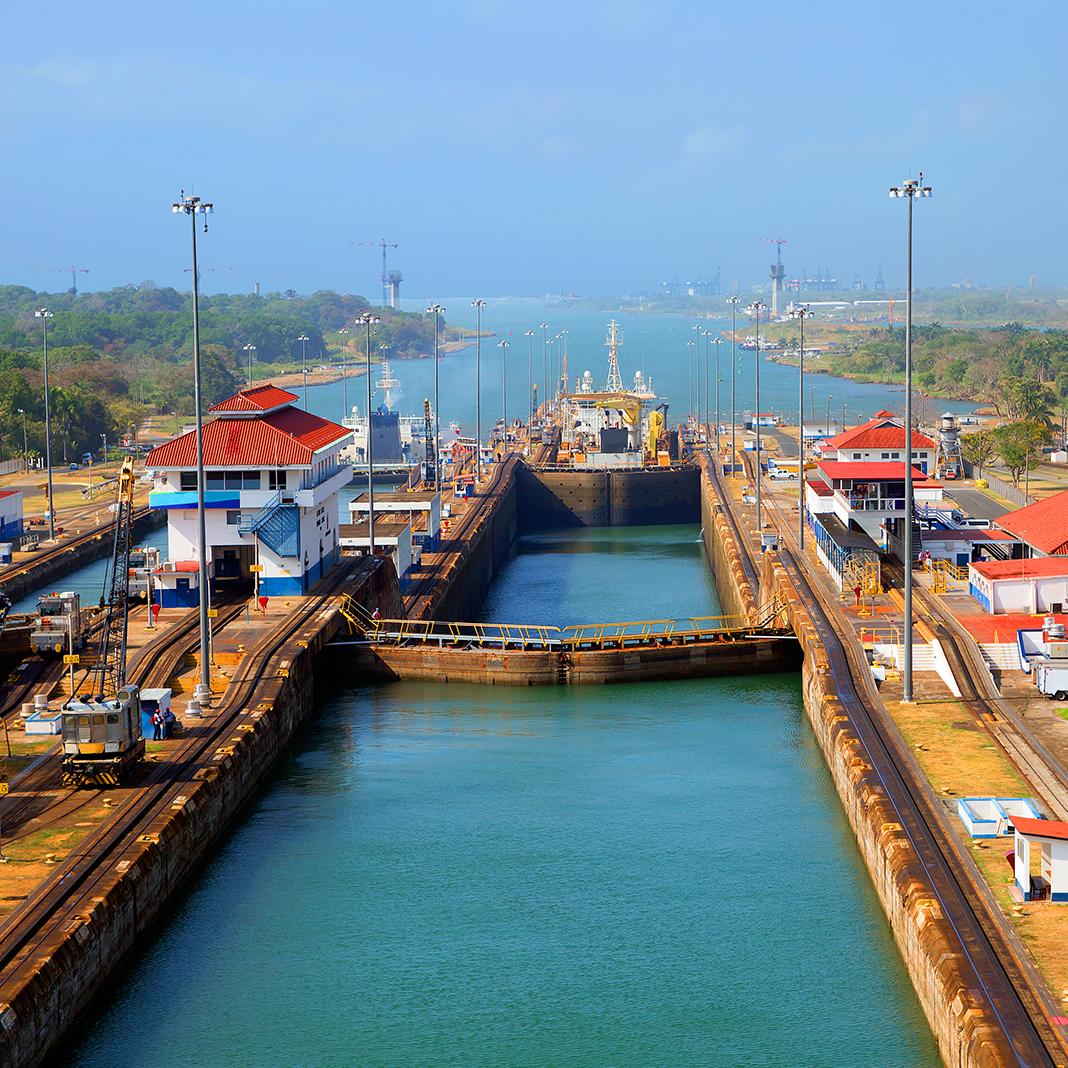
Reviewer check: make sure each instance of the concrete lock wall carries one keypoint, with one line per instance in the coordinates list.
(638, 497)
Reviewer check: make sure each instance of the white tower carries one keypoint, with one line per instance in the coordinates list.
(613, 341)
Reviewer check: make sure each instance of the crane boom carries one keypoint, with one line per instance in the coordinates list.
(111, 667)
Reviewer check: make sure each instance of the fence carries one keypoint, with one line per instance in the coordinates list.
(9, 467)
(1011, 493)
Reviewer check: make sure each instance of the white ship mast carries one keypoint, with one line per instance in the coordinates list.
(387, 382)
(613, 341)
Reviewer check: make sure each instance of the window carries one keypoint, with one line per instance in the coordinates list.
(886, 456)
(276, 480)
(233, 517)
(897, 456)
(233, 480)
(856, 456)
(189, 480)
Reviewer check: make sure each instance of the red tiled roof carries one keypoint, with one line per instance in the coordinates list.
(885, 414)
(877, 434)
(284, 438)
(874, 471)
(819, 487)
(1036, 567)
(1041, 828)
(181, 566)
(8, 493)
(257, 399)
(1043, 524)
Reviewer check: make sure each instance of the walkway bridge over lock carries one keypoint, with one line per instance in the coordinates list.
(536, 654)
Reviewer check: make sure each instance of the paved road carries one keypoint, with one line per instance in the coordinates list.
(976, 503)
(787, 445)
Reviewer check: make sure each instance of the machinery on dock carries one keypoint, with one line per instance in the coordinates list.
(60, 626)
(101, 727)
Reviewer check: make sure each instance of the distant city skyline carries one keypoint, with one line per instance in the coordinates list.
(597, 148)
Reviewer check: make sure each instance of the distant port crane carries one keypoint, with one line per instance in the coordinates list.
(383, 244)
(74, 272)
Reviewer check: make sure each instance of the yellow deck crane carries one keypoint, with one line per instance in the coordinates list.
(101, 727)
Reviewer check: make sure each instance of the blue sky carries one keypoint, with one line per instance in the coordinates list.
(530, 148)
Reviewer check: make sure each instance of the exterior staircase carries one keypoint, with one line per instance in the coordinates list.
(277, 525)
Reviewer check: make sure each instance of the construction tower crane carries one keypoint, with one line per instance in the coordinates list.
(778, 272)
(101, 729)
(383, 244)
(74, 272)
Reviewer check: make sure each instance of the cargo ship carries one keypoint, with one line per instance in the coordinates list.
(617, 464)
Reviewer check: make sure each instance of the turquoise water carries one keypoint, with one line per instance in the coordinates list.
(653, 874)
(652, 343)
(88, 580)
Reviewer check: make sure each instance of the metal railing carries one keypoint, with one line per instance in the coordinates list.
(538, 636)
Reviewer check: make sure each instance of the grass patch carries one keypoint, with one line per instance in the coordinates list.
(1062, 712)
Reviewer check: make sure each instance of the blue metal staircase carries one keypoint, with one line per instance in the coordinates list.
(277, 525)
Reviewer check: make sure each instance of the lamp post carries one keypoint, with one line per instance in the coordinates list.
(436, 310)
(697, 369)
(368, 320)
(25, 441)
(733, 302)
(193, 206)
(529, 335)
(547, 400)
(718, 342)
(478, 304)
(757, 308)
(544, 362)
(44, 315)
(304, 339)
(345, 381)
(690, 347)
(504, 346)
(801, 313)
(910, 189)
(251, 350)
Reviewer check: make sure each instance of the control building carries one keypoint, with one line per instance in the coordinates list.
(273, 473)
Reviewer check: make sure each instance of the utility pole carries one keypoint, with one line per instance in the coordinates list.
(478, 304)
(800, 313)
(756, 309)
(733, 302)
(436, 310)
(529, 334)
(304, 339)
(368, 320)
(504, 346)
(193, 206)
(910, 190)
(544, 362)
(44, 315)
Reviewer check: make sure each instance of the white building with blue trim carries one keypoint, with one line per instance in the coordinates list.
(272, 473)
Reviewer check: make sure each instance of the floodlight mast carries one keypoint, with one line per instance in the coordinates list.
(193, 206)
(910, 190)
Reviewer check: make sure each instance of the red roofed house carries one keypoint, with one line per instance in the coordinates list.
(1035, 585)
(272, 476)
(879, 440)
(866, 495)
(1050, 882)
(1042, 526)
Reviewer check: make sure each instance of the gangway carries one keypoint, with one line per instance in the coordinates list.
(530, 636)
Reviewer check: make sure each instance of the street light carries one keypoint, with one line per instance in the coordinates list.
(733, 302)
(478, 304)
(801, 313)
(251, 349)
(193, 206)
(544, 363)
(718, 342)
(697, 355)
(44, 315)
(436, 310)
(562, 380)
(690, 346)
(910, 189)
(504, 346)
(757, 308)
(529, 335)
(304, 339)
(368, 320)
(25, 441)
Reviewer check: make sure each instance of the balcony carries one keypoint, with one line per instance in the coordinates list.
(874, 504)
(313, 492)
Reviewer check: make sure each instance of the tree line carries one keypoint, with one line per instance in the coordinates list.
(120, 355)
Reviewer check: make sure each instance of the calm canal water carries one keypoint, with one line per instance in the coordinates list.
(626, 875)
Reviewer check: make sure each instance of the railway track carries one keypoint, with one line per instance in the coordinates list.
(15, 571)
(45, 918)
(996, 717)
(1003, 975)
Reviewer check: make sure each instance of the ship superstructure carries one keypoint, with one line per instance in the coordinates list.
(399, 440)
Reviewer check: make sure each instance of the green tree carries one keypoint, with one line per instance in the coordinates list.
(1020, 447)
(979, 448)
